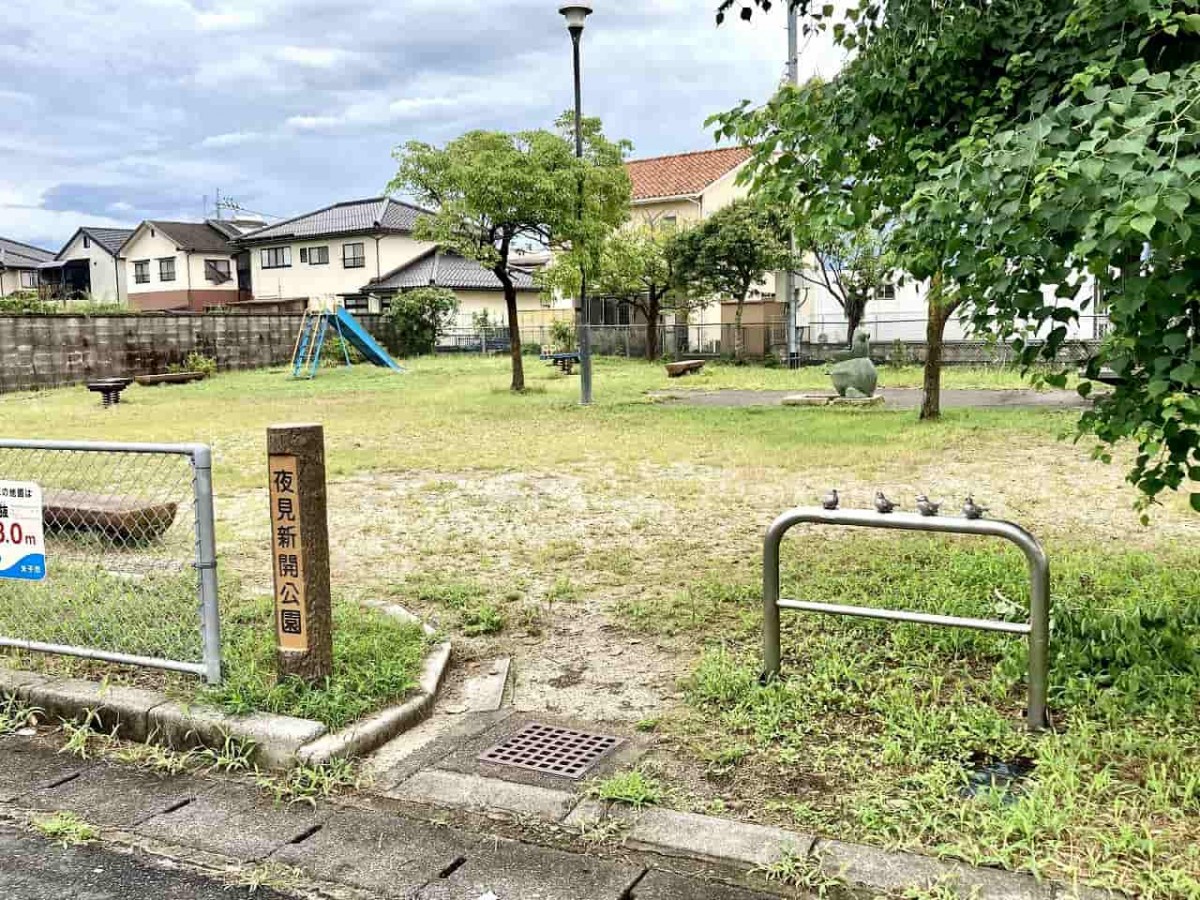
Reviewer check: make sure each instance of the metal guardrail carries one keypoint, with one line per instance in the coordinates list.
(1037, 629)
(124, 524)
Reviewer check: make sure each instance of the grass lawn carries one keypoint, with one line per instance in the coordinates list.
(614, 551)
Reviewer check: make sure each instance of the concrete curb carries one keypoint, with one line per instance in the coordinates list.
(279, 742)
(363, 737)
(860, 867)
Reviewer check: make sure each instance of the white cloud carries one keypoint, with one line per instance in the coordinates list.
(231, 139)
(227, 20)
(313, 57)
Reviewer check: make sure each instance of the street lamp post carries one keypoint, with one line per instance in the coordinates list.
(576, 14)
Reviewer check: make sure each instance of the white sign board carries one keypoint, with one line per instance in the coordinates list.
(22, 538)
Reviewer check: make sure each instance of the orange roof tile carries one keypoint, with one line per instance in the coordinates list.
(683, 174)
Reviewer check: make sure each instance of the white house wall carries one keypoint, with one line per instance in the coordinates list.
(305, 280)
(107, 272)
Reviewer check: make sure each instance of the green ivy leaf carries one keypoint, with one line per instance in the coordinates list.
(1196, 501)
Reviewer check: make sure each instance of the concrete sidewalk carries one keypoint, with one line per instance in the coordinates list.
(229, 826)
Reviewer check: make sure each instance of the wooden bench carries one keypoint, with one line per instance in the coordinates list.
(169, 378)
(119, 518)
(684, 367)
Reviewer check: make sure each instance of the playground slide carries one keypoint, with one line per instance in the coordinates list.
(363, 342)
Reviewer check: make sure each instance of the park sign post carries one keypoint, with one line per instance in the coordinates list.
(22, 541)
(300, 551)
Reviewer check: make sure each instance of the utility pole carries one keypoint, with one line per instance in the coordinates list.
(789, 277)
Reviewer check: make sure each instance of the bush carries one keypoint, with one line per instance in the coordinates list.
(27, 302)
(196, 362)
(417, 316)
(562, 336)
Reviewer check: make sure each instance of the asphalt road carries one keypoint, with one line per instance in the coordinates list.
(33, 868)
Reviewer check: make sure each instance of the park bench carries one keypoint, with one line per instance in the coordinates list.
(168, 378)
(565, 361)
(109, 389)
(684, 367)
(119, 518)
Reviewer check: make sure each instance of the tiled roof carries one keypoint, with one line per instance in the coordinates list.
(110, 239)
(353, 217)
(16, 255)
(442, 268)
(684, 174)
(196, 236)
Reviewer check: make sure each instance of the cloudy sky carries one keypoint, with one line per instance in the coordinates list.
(120, 110)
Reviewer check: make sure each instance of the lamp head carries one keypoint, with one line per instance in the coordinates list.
(575, 14)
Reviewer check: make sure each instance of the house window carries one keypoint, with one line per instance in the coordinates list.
(216, 271)
(277, 257)
(29, 279)
(87, 242)
(670, 221)
(315, 256)
(354, 256)
(166, 269)
(886, 293)
(141, 271)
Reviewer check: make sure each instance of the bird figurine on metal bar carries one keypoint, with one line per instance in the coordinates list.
(926, 507)
(882, 503)
(830, 500)
(973, 510)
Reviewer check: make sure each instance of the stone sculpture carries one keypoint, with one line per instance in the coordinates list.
(854, 375)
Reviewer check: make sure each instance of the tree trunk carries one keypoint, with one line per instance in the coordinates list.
(739, 339)
(514, 328)
(854, 317)
(652, 312)
(935, 327)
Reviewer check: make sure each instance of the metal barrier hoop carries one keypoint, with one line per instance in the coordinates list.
(1037, 628)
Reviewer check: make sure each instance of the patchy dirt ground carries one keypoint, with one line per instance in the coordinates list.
(566, 556)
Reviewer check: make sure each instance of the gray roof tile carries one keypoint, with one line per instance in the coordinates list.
(353, 217)
(444, 268)
(110, 239)
(15, 255)
(195, 236)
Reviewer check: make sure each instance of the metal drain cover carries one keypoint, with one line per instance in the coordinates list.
(551, 750)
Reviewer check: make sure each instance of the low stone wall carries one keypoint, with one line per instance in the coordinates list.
(42, 351)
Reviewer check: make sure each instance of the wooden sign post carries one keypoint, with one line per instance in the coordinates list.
(300, 551)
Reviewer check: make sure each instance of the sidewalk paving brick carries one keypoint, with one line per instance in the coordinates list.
(27, 763)
(234, 820)
(435, 787)
(514, 871)
(113, 796)
(378, 852)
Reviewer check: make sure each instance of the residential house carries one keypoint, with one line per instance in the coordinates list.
(478, 290)
(182, 266)
(684, 189)
(90, 265)
(19, 265)
(333, 251)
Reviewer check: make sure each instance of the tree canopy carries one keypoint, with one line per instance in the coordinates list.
(1013, 146)
(728, 253)
(492, 192)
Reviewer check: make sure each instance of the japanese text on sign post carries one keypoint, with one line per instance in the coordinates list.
(22, 542)
(287, 555)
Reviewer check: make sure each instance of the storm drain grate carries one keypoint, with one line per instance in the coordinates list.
(554, 751)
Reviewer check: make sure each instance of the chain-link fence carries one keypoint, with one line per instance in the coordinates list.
(129, 574)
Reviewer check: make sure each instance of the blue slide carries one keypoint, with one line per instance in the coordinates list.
(358, 338)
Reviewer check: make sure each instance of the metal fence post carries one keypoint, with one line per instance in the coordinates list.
(206, 563)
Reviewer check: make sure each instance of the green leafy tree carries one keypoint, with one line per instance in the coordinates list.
(417, 317)
(493, 192)
(635, 268)
(727, 254)
(851, 266)
(1020, 145)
